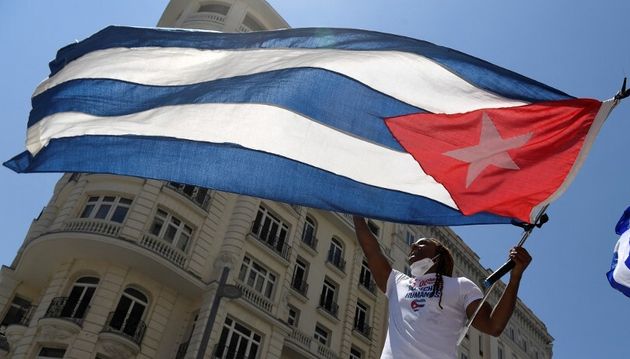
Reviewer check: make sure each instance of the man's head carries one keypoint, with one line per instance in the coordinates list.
(432, 248)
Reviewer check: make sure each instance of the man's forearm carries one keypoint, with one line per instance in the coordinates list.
(378, 264)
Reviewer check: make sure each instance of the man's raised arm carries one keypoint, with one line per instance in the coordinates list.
(379, 266)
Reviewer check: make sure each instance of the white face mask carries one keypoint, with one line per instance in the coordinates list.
(420, 267)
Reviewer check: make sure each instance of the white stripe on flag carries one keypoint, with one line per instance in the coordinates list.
(621, 274)
(258, 127)
(408, 77)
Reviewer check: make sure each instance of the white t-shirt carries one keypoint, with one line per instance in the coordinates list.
(418, 328)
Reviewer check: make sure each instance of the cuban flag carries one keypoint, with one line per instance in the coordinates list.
(619, 273)
(344, 120)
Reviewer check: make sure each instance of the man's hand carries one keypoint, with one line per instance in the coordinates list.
(521, 259)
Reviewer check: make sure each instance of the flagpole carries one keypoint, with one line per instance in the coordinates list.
(492, 279)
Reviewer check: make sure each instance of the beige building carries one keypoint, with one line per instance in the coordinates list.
(122, 267)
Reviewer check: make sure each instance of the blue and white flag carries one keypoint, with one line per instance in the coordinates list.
(344, 120)
(619, 273)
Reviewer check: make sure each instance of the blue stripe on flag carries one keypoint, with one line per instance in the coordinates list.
(236, 169)
(476, 71)
(353, 107)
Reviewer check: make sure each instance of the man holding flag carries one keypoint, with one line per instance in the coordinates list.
(427, 311)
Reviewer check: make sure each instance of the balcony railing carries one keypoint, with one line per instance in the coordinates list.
(326, 353)
(198, 195)
(302, 339)
(181, 350)
(62, 307)
(310, 241)
(369, 285)
(226, 352)
(363, 329)
(203, 18)
(129, 328)
(153, 243)
(4, 343)
(19, 315)
(330, 308)
(279, 247)
(337, 261)
(98, 226)
(255, 298)
(300, 286)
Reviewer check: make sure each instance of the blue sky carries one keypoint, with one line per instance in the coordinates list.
(580, 47)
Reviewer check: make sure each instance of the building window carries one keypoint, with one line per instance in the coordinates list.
(500, 352)
(257, 277)
(355, 353)
(18, 313)
(374, 228)
(215, 8)
(109, 208)
(252, 23)
(328, 299)
(361, 319)
(76, 304)
(409, 238)
(335, 254)
(171, 230)
(480, 345)
(365, 277)
(322, 335)
(237, 341)
(294, 316)
(463, 355)
(308, 233)
(127, 318)
(270, 230)
(300, 274)
(199, 195)
(47, 353)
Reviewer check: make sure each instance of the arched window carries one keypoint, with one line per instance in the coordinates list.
(127, 318)
(335, 254)
(308, 232)
(79, 298)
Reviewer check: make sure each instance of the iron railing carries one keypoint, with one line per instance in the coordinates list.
(300, 286)
(331, 308)
(130, 328)
(64, 308)
(363, 329)
(182, 349)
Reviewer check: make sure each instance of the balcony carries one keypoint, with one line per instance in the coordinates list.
(329, 308)
(300, 286)
(280, 248)
(201, 20)
(310, 242)
(4, 344)
(368, 285)
(164, 249)
(255, 298)
(68, 310)
(337, 261)
(128, 328)
(181, 350)
(326, 353)
(198, 195)
(303, 340)
(97, 226)
(363, 329)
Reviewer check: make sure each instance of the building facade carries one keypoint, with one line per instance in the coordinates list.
(123, 267)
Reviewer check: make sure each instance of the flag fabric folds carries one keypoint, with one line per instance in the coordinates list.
(345, 120)
(619, 273)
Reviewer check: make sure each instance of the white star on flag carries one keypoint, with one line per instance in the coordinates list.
(491, 150)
